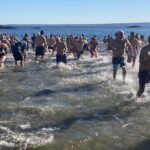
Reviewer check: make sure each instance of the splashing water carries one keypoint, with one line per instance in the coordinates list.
(77, 106)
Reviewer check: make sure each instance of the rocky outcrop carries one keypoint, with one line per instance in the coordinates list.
(133, 26)
(7, 27)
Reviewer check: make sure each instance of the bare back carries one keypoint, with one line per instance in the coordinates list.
(41, 41)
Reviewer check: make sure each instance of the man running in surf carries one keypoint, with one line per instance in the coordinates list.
(134, 51)
(93, 47)
(41, 45)
(118, 46)
(144, 68)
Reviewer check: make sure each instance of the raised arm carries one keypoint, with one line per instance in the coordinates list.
(128, 44)
(45, 43)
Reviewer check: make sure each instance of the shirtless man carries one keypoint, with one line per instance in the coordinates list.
(68, 42)
(73, 46)
(143, 41)
(61, 49)
(3, 52)
(105, 40)
(5, 41)
(80, 47)
(86, 44)
(93, 47)
(118, 46)
(41, 45)
(28, 40)
(33, 41)
(144, 68)
(134, 51)
(51, 42)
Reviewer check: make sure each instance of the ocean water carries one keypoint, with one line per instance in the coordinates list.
(89, 30)
(74, 107)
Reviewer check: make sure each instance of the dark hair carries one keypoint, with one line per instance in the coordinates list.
(132, 33)
(26, 35)
(142, 36)
(42, 32)
(149, 39)
(116, 34)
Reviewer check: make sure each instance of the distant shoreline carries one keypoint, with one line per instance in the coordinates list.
(28, 24)
(7, 27)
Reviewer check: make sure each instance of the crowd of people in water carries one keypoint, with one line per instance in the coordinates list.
(132, 46)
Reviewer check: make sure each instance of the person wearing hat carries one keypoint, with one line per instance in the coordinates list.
(144, 68)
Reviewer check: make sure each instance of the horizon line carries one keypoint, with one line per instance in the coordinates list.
(76, 23)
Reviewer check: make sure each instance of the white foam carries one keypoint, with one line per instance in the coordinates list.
(36, 141)
(49, 129)
(6, 144)
(23, 140)
(5, 122)
(25, 126)
(143, 99)
(64, 67)
(7, 130)
(125, 125)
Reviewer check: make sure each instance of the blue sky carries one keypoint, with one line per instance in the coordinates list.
(74, 11)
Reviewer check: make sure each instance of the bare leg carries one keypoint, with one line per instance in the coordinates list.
(36, 57)
(57, 64)
(141, 90)
(95, 54)
(2, 59)
(133, 64)
(0, 62)
(42, 57)
(92, 54)
(26, 60)
(74, 54)
(52, 53)
(124, 73)
(15, 62)
(114, 73)
(25, 56)
(22, 63)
